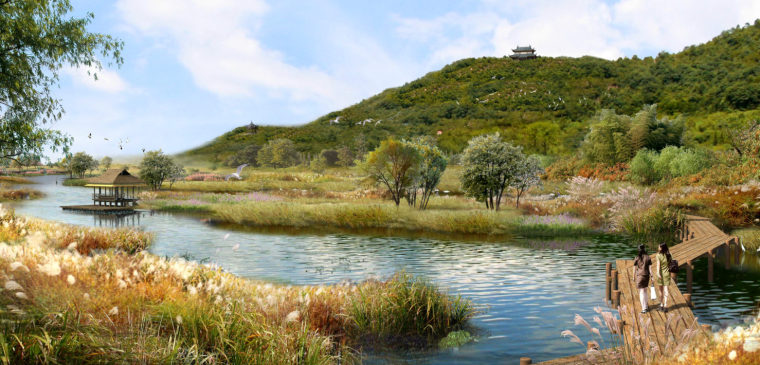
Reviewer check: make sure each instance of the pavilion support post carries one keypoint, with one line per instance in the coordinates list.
(737, 250)
(607, 279)
(614, 280)
(727, 255)
(710, 260)
(689, 276)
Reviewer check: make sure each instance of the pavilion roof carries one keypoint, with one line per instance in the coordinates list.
(115, 177)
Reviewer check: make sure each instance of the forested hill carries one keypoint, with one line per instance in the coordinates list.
(542, 104)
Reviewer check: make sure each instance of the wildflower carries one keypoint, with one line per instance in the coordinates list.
(114, 311)
(12, 285)
(71, 280)
(178, 319)
(21, 295)
(18, 265)
(293, 316)
(732, 355)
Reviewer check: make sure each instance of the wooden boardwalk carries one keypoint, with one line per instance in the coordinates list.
(700, 238)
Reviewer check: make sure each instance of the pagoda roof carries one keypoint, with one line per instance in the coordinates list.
(523, 49)
(115, 177)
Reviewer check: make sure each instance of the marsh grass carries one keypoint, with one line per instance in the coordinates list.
(19, 194)
(15, 180)
(750, 238)
(74, 182)
(60, 306)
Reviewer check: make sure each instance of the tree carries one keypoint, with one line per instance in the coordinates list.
(432, 165)
(176, 173)
(106, 162)
(37, 39)
(528, 175)
(246, 155)
(746, 141)
(94, 164)
(278, 153)
(360, 145)
(318, 164)
(345, 157)
(490, 165)
(331, 157)
(156, 167)
(81, 163)
(393, 164)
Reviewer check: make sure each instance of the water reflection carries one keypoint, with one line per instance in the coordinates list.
(533, 288)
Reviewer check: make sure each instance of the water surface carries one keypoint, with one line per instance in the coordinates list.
(532, 295)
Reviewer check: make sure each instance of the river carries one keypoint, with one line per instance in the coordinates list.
(531, 294)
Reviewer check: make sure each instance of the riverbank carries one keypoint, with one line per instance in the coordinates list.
(448, 215)
(138, 307)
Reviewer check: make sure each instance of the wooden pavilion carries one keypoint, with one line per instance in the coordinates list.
(114, 191)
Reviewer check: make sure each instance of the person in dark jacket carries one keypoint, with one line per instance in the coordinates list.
(643, 264)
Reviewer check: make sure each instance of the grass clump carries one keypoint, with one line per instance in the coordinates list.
(59, 306)
(74, 182)
(19, 194)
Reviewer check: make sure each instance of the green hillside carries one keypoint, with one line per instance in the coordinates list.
(542, 104)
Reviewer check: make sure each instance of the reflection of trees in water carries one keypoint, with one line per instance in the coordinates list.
(117, 220)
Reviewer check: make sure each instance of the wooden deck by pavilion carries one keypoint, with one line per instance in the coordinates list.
(700, 238)
(116, 192)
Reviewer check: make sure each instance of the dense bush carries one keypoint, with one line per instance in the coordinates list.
(650, 167)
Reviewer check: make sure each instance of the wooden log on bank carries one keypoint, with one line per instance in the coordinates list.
(525, 361)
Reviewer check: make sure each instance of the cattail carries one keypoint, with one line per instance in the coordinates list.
(71, 280)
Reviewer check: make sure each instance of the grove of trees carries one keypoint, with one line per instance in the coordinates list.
(156, 167)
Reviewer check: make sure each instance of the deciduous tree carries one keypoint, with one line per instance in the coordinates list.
(490, 166)
(156, 167)
(278, 153)
(394, 165)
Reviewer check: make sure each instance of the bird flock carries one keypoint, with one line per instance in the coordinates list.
(121, 142)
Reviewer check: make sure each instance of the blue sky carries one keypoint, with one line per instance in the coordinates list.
(194, 69)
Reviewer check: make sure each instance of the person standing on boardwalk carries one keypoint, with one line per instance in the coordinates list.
(643, 266)
(663, 274)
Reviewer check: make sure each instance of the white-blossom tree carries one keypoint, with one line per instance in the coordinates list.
(528, 175)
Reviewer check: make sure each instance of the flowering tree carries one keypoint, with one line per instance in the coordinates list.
(528, 175)
(490, 165)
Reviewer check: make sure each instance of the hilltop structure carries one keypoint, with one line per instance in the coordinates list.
(523, 53)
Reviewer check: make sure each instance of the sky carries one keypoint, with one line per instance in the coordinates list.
(195, 69)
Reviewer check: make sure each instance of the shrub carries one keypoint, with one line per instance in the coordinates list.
(643, 167)
(627, 202)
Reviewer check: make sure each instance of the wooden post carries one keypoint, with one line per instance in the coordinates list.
(607, 278)
(525, 361)
(710, 266)
(615, 299)
(687, 298)
(727, 255)
(689, 277)
(614, 279)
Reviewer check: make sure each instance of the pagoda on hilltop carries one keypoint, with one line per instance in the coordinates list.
(523, 53)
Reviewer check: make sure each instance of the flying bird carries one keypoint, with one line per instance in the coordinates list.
(457, 102)
(127, 139)
(378, 122)
(236, 174)
(89, 136)
(105, 139)
(226, 236)
(236, 247)
(143, 150)
(120, 147)
(335, 120)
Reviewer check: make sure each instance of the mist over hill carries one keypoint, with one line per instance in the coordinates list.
(541, 104)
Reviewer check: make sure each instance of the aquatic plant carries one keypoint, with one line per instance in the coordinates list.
(549, 225)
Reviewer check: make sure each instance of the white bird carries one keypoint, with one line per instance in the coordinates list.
(378, 122)
(457, 102)
(226, 236)
(235, 248)
(105, 139)
(127, 139)
(358, 123)
(236, 174)
(335, 120)
(493, 78)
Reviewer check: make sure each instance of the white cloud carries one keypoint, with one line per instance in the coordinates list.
(107, 80)
(214, 43)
